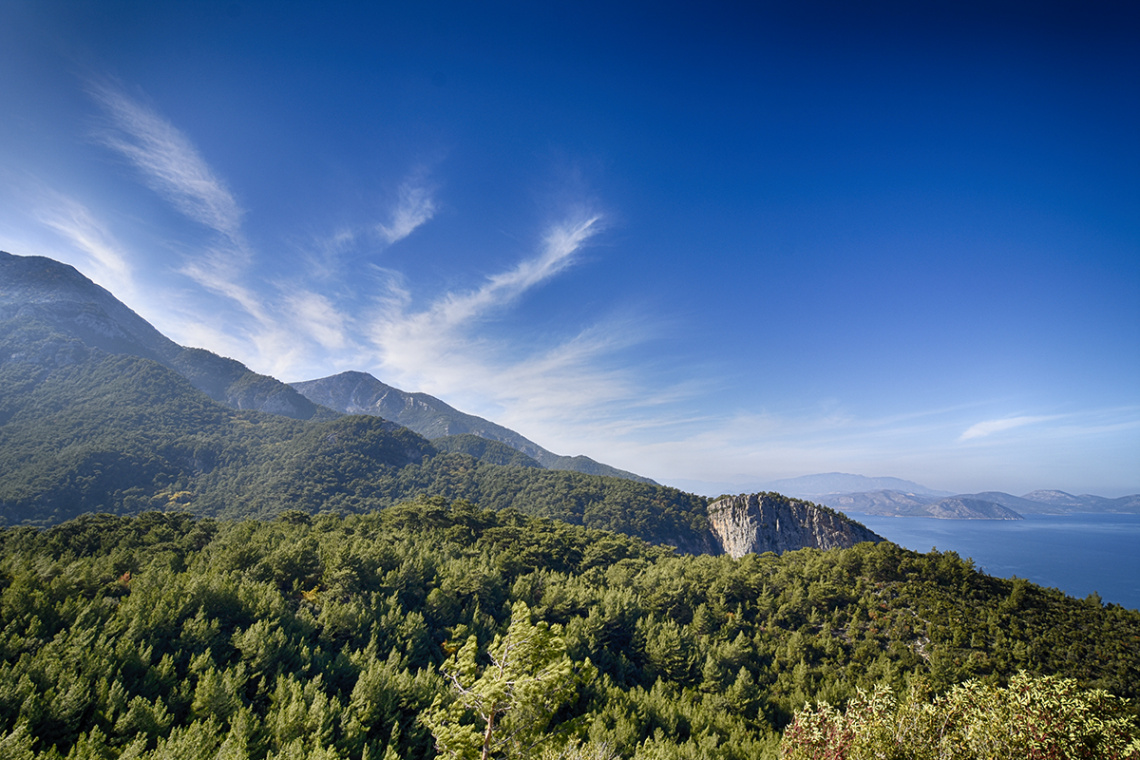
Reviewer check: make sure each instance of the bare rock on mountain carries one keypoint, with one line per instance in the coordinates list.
(770, 522)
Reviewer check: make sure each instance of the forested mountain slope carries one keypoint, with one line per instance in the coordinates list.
(41, 295)
(162, 636)
(88, 431)
(494, 452)
(361, 393)
(100, 412)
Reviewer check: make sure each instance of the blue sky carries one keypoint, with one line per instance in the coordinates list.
(714, 246)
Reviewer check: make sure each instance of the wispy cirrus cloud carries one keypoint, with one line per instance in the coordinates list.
(282, 324)
(453, 312)
(276, 324)
(172, 166)
(319, 318)
(221, 271)
(560, 246)
(990, 427)
(415, 206)
(168, 161)
(443, 349)
(107, 262)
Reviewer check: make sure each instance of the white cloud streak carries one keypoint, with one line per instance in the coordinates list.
(168, 161)
(445, 325)
(276, 325)
(561, 245)
(439, 350)
(990, 427)
(108, 264)
(415, 207)
(319, 318)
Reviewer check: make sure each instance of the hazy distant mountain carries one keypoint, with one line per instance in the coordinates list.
(894, 497)
(1009, 501)
(808, 486)
(987, 505)
(887, 502)
(39, 294)
(969, 508)
(361, 393)
(1059, 502)
(897, 504)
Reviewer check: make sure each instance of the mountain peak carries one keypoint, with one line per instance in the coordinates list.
(56, 296)
(360, 393)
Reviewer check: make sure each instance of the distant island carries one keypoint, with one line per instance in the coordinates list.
(893, 497)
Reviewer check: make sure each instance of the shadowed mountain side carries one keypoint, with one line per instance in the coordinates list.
(492, 452)
(39, 291)
(361, 393)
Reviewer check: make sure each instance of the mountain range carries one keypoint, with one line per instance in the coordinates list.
(58, 299)
(447, 427)
(898, 498)
(277, 577)
(830, 483)
(99, 412)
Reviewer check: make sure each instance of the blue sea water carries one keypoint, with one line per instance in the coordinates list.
(1078, 554)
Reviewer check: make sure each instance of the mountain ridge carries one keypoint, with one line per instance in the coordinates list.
(823, 484)
(114, 416)
(355, 392)
(101, 413)
(39, 289)
(985, 505)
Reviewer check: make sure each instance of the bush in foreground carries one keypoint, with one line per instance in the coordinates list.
(1034, 718)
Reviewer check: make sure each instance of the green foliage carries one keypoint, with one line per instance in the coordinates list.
(82, 431)
(484, 449)
(164, 635)
(1033, 718)
(512, 697)
(192, 631)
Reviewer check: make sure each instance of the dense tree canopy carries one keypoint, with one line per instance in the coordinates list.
(327, 636)
(1033, 718)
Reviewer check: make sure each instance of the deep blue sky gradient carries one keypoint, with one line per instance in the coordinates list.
(889, 238)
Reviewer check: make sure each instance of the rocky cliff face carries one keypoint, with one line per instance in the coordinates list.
(769, 522)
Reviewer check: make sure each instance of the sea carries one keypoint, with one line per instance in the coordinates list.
(1078, 554)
